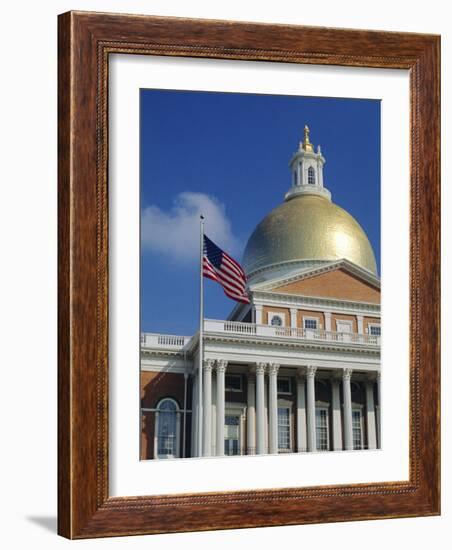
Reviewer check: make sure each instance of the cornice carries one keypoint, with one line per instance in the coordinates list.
(287, 264)
(276, 298)
(161, 352)
(291, 343)
(288, 343)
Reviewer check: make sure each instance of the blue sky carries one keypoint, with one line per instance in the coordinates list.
(227, 155)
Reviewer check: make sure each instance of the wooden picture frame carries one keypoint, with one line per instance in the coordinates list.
(85, 508)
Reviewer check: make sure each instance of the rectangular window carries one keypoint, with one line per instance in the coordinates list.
(231, 435)
(283, 429)
(321, 429)
(284, 386)
(310, 323)
(233, 382)
(375, 330)
(357, 426)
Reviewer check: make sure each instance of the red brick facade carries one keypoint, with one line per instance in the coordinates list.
(338, 284)
(155, 386)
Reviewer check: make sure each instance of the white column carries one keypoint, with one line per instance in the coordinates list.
(251, 416)
(327, 320)
(310, 377)
(337, 422)
(301, 413)
(258, 315)
(221, 369)
(370, 415)
(213, 416)
(194, 417)
(360, 321)
(260, 410)
(273, 405)
(266, 413)
(348, 430)
(293, 317)
(207, 407)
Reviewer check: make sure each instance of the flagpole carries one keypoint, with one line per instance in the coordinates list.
(201, 334)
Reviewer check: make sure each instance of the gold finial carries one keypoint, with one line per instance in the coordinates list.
(307, 145)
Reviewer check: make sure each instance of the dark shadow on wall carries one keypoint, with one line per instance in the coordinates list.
(49, 523)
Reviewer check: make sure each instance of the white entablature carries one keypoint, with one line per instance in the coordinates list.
(246, 352)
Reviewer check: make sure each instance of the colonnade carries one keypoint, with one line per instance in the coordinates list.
(262, 413)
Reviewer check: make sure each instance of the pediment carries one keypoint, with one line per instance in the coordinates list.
(339, 280)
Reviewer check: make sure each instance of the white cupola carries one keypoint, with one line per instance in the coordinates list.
(307, 170)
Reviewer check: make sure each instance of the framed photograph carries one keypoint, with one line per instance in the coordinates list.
(248, 275)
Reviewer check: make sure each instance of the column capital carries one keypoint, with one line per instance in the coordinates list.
(310, 371)
(260, 368)
(258, 307)
(221, 365)
(208, 364)
(273, 369)
(347, 374)
(293, 310)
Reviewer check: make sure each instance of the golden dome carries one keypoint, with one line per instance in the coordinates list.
(308, 227)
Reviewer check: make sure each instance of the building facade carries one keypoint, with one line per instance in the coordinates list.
(297, 369)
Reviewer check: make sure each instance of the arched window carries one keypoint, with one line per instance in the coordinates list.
(276, 321)
(167, 429)
(295, 178)
(311, 176)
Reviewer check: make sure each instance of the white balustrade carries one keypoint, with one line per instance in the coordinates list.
(235, 327)
(150, 340)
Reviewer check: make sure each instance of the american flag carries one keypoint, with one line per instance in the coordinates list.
(220, 267)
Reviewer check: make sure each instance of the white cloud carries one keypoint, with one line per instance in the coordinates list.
(175, 233)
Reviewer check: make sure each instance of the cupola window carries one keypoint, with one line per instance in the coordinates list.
(311, 176)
